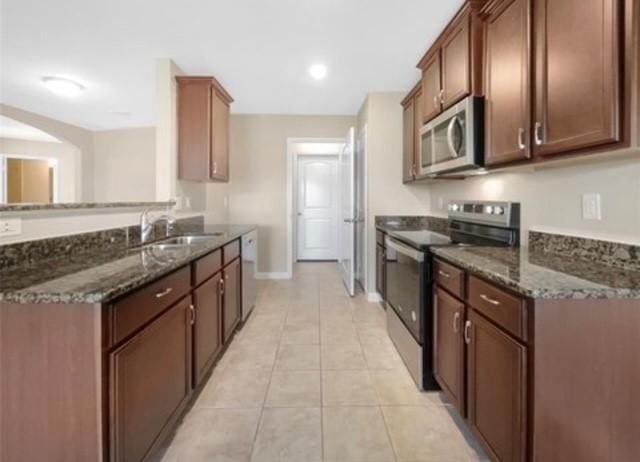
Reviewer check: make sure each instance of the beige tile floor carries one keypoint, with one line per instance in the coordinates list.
(313, 376)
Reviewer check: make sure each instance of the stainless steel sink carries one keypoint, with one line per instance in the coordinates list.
(189, 240)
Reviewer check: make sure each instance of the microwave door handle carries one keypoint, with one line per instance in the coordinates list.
(452, 148)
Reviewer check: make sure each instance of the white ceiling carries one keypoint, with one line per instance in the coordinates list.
(10, 128)
(260, 51)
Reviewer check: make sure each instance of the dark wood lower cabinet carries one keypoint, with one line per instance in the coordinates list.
(150, 381)
(497, 387)
(207, 332)
(380, 271)
(448, 342)
(232, 297)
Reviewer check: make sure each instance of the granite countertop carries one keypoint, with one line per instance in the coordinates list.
(31, 207)
(99, 277)
(538, 274)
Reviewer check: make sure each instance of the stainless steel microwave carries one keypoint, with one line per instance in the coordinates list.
(453, 141)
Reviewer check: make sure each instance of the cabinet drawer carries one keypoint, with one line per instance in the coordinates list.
(507, 310)
(136, 309)
(207, 266)
(449, 277)
(231, 251)
(380, 237)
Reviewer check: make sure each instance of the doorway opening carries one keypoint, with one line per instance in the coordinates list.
(326, 204)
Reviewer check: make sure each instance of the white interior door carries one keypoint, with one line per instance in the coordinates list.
(347, 231)
(317, 214)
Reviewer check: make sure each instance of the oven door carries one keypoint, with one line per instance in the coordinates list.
(405, 271)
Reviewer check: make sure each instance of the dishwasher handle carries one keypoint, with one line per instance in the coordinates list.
(404, 249)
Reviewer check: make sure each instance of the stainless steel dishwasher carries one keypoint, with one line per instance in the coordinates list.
(249, 285)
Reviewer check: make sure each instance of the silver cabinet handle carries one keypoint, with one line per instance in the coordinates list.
(456, 322)
(400, 308)
(164, 292)
(215, 167)
(489, 300)
(521, 143)
(467, 332)
(443, 274)
(221, 284)
(442, 96)
(192, 310)
(538, 134)
(414, 318)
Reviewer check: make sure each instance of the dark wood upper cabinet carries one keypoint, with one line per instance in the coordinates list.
(452, 67)
(456, 63)
(577, 77)
(410, 126)
(497, 389)
(449, 318)
(203, 129)
(207, 332)
(150, 380)
(507, 81)
(232, 298)
(418, 107)
(431, 87)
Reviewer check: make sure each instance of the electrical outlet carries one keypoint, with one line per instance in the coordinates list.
(10, 227)
(591, 208)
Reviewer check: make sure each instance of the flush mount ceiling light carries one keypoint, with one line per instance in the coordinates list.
(318, 71)
(62, 86)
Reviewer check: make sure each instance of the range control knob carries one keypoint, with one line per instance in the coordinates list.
(498, 210)
(455, 207)
(488, 209)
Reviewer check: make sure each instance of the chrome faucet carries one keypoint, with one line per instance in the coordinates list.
(147, 225)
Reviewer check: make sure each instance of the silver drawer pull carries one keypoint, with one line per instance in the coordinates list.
(467, 332)
(443, 274)
(164, 292)
(414, 318)
(489, 300)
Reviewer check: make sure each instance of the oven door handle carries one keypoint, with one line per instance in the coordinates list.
(405, 250)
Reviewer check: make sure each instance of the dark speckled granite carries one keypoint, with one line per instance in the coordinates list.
(412, 223)
(538, 274)
(100, 275)
(615, 254)
(79, 205)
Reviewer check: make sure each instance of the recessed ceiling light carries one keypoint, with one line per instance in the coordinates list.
(318, 71)
(62, 86)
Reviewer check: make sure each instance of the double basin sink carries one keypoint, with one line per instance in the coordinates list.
(181, 242)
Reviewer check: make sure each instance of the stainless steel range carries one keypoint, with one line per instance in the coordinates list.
(409, 265)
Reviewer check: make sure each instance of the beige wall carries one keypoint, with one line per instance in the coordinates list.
(79, 137)
(552, 198)
(67, 155)
(382, 114)
(124, 165)
(257, 190)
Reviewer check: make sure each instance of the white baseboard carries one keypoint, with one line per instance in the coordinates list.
(373, 297)
(273, 275)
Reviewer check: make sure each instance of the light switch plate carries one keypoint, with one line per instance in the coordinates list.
(591, 207)
(10, 227)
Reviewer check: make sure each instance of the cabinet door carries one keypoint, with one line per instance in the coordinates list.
(194, 130)
(207, 342)
(577, 81)
(496, 372)
(418, 109)
(449, 346)
(232, 298)
(150, 380)
(380, 271)
(508, 95)
(220, 137)
(456, 69)
(408, 140)
(431, 88)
